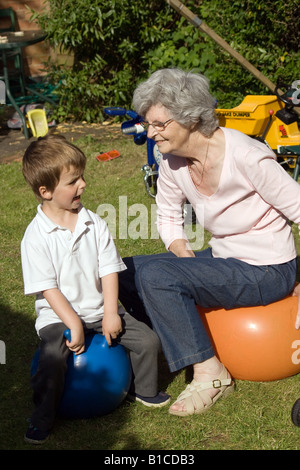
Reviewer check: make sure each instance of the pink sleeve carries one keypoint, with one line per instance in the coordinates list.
(274, 184)
(169, 202)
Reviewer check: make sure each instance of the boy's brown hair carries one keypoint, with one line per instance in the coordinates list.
(45, 159)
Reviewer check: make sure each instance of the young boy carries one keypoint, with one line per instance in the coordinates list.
(71, 264)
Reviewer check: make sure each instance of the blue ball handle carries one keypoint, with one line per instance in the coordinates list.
(67, 334)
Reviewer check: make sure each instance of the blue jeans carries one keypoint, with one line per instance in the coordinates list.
(166, 289)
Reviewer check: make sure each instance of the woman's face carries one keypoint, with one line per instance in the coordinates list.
(173, 137)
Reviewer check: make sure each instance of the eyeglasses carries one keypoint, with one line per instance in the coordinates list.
(157, 125)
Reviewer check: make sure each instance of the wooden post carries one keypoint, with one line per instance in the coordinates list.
(198, 23)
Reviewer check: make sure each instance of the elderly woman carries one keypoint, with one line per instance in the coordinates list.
(247, 199)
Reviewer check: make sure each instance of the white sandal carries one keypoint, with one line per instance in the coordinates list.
(197, 400)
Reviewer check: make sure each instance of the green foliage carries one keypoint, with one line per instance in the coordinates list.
(265, 33)
(108, 46)
(181, 48)
(116, 44)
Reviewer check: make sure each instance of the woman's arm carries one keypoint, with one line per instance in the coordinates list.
(170, 220)
(296, 292)
(274, 184)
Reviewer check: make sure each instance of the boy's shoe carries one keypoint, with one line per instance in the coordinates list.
(161, 399)
(35, 436)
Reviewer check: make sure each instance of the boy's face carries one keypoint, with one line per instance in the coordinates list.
(68, 192)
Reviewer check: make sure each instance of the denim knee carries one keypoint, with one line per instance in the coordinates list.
(150, 273)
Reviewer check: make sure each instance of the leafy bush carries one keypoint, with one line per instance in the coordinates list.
(108, 39)
(265, 33)
(116, 44)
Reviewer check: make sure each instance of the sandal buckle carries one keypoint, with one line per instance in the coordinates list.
(217, 383)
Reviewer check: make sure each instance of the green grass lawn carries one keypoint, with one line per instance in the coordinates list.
(256, 416)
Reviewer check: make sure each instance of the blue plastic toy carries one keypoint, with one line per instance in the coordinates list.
(96, 381)
(134, 127)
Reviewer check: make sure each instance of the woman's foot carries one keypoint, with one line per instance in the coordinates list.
(211, 382)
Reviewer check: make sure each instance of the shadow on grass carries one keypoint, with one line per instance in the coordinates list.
(112, 431)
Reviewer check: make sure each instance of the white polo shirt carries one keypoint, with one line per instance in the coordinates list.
(54, 257)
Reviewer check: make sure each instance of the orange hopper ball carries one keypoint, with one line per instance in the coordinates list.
(256, 343)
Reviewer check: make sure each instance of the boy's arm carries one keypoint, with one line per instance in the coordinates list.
(111, 323)
(68, 316)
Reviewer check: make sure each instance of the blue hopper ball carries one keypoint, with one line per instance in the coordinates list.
(96, 381)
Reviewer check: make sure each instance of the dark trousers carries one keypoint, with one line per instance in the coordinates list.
(141, 342)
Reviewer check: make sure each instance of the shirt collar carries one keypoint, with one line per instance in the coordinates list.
(49, 226)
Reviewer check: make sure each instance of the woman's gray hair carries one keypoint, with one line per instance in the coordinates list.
(184, 94)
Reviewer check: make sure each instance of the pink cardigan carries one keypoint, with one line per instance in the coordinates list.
(247, 215)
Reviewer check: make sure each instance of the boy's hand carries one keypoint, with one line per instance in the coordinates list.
(76, 345)
(68, 316)
(112, 326)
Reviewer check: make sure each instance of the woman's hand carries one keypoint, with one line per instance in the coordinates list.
(296, 292)
(181, 249)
